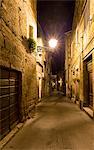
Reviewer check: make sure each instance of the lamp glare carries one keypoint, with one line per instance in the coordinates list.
(53, 43)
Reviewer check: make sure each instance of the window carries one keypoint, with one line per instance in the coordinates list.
(40, 55)
(86, 14)
(39, 48)
(30, 31)
(77, 36)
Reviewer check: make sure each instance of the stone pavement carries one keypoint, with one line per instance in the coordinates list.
(58, 125)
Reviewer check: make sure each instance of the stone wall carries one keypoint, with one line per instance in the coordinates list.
(68, 62)
(82, 47)
(15, 18)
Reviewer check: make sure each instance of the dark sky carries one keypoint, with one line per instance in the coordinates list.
(55, 18)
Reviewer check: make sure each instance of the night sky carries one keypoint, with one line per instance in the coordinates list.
(55, 18)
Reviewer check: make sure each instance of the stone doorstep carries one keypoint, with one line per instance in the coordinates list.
(12, 133)
(88, 111)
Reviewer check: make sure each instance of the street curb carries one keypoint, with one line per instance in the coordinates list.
(87, 112)
(11, 134)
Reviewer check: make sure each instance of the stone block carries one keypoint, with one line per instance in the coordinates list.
(5, 55)
(8, 44)
(1, 40)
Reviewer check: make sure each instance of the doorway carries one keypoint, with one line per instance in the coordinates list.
(40, 88)
(88, 82)
(9, 100)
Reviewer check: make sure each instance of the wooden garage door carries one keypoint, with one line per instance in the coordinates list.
(9, 110)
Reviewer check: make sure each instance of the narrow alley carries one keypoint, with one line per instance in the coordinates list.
(58, 124)
(47, 74)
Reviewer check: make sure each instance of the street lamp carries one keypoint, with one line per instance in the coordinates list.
(53, 43)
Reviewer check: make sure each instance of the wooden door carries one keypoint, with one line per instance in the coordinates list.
(90, 84)
(9, 108)
(90, 90)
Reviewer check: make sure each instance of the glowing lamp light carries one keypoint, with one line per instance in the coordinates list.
(53, 43)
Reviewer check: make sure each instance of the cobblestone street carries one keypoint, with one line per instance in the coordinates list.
(57, 125)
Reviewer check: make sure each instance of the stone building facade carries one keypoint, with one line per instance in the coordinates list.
(18, 82)
(82, 54)
(68, 62)
(40, 67)
(47, 74)
(43, 68)
(44, 62)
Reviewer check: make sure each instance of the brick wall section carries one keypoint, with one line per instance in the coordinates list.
(13, 47)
